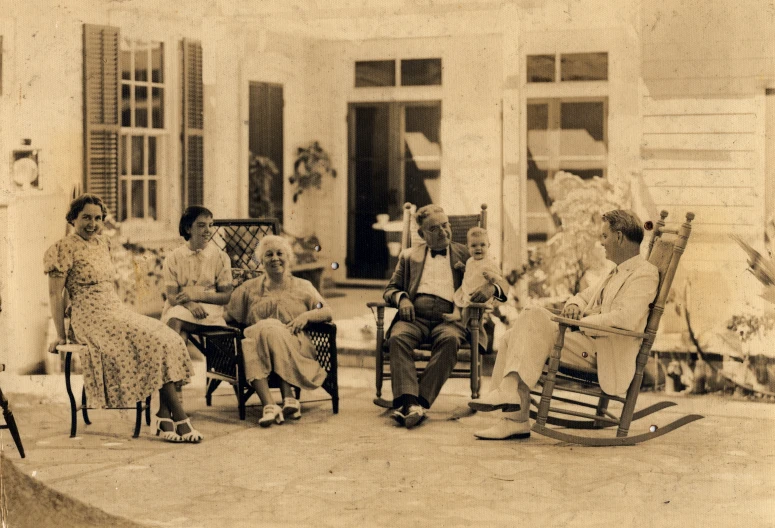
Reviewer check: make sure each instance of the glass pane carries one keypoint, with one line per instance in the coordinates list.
(157, 107)
(537, 130)
(141, 63)
(151, 156)
(583, 129)
(584, 174)
(125, 58)
(157, 62)
(422, 151)
(138, 152)
(123, 200)
(375, 73)
(126, 113)
(540, 68)
(421, 72)
(540, 224)
(152, 199)
(584, 67)
(141, 106)
(137, 199)
(123, 155)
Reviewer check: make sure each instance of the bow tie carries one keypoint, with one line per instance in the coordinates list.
(442, 252)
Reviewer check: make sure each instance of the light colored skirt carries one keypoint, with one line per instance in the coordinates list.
(214, 314)
(270, 347)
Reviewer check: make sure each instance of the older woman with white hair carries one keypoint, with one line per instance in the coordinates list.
(278, 306)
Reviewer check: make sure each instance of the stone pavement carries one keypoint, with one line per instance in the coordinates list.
(358, 469)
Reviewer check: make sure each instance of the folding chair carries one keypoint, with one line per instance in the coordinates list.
(665, 253)
(10, 421)
(222, 347)
(469, 363)
(74, 348)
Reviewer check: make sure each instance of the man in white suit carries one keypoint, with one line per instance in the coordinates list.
(621, 299)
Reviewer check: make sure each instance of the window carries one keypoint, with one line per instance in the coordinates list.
(572, 67)
(568, 135)
(143, 136)
(421, 72)
(375, 73)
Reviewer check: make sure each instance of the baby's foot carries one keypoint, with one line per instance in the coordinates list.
(451, 317)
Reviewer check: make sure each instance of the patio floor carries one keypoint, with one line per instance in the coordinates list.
(358, 469)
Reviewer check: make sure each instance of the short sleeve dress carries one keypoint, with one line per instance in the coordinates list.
(129, 355)
(473, 279)
(268, 345)
(202, 270)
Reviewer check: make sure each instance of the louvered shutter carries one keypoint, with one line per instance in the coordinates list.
(193, 124)
(101, 121)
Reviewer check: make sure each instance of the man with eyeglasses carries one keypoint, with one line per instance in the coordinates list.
(422, 288)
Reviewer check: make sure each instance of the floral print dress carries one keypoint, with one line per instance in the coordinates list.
(129, 355)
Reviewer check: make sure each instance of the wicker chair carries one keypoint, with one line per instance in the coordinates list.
(222, 347)
(665, 253)
(10, 421)
(469, 362)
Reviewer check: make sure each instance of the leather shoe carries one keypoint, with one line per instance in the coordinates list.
(494, 400)
(414, 417)
(506, 429)
(398, 416)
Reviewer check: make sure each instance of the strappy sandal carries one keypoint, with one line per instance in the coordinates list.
(167, 436)
(192, 436)
(272, 413)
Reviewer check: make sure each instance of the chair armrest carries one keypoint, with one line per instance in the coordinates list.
(607, 329)
(377, 304)
(217, 331)
(323, 327)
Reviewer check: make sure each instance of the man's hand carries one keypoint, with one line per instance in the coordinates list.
(571, 311)
(483, 294)
(196, 310)
(406, 309)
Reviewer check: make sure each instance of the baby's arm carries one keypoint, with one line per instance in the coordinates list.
(452, 317)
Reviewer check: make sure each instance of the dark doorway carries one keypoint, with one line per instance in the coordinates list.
(265, 138)
(394, 157)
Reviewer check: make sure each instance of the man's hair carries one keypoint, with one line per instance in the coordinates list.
(424, 212)
(627, 222)
(477, 232)
(188, 218)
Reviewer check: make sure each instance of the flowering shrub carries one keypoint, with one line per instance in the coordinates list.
(574, 250)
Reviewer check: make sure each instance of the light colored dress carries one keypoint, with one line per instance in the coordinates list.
(473, 280)
(195, 272)
(129, 355)
(268, 345)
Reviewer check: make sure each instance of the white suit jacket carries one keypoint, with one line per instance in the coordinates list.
(625, 305)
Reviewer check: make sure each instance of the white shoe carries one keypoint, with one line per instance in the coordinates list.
(291, 408)
(272, 413)
(506, 429)
(494, 400)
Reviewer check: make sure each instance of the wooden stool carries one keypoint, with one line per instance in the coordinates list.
(71, 349)
(10, 421)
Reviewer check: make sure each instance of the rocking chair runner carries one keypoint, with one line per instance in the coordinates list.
(469, 363)
(664, 254)
(222, 347)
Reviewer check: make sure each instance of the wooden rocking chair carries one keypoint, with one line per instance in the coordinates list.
(664, 254)
(469, 363)
(222, 347)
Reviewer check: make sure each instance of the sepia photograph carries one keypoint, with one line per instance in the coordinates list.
(387, 263)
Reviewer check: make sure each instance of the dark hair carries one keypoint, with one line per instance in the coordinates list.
(423, 213)
(188, 218)
(77, 205)
(627, 222)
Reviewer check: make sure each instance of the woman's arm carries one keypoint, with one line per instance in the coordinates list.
(56, 290)
(220, 296)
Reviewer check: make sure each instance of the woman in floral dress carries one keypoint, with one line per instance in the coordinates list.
(129, 355)
(278, 306)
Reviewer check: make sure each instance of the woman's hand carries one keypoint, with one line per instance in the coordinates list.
(298, 324)
(183, 298)
(196, 309)
(52, 348)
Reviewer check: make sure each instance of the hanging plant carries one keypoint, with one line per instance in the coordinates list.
(261, 173)
(312, 163)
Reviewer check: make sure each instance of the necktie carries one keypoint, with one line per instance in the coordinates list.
(596, 300)
(442, 252)
(605, 283)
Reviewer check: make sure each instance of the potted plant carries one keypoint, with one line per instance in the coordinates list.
(311, 165)
(261, 173)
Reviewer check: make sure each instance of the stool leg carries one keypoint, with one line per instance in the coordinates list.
(10, 421)
(148, 411)
(138, 419)
(73, 410)
(84, 410)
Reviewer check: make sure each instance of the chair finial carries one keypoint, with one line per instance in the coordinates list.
(663, 214)
(407, 205)
(484, 206)
(689, 216)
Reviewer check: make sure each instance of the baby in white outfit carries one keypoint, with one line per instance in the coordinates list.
(480, 270)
